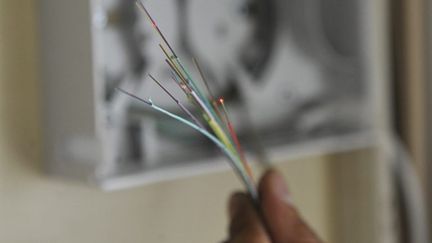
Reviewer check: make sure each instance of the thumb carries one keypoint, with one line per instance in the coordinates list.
(245, 225)
(283, 221)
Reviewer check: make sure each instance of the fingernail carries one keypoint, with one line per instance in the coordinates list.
(281, 188)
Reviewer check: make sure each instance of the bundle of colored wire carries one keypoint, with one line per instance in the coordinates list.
(219, 128)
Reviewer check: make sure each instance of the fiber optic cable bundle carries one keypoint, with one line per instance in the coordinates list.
(218, 127)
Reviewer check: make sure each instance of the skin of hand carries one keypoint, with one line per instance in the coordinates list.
(283, 224)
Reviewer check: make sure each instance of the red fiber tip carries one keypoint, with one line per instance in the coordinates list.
(221, 100)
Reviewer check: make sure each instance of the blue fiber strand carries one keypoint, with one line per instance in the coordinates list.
(249, 184)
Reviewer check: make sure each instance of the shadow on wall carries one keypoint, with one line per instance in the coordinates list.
(20, 139)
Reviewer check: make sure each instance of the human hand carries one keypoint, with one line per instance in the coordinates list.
(283, 222)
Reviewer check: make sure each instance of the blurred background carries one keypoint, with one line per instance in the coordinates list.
(333, 93)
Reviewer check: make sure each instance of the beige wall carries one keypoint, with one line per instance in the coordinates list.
(38, 208)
